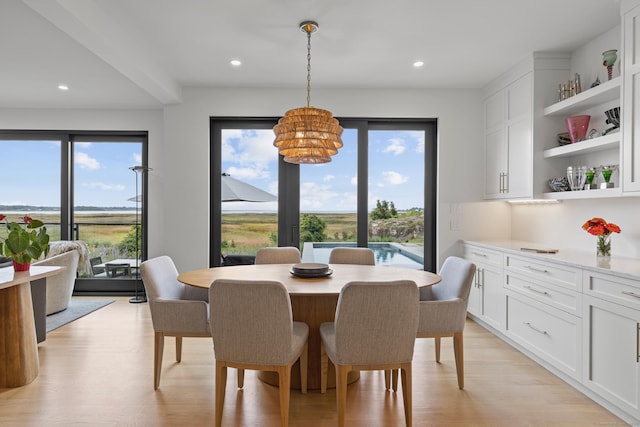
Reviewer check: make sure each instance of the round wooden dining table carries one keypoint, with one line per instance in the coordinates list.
(313, 300)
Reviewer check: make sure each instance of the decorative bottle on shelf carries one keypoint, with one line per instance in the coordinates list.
(609, 58)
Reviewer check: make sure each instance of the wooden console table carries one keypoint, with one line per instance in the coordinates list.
(18, 345)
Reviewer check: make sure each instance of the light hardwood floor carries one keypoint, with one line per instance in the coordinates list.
(98, 371)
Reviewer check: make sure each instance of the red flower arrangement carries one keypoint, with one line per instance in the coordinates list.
(603, 229)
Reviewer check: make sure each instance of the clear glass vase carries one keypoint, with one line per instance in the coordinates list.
(603, 248)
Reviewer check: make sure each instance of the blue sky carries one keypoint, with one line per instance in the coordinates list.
(31, 173)
(396, 170)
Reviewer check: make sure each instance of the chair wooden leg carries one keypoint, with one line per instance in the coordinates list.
(324, 368)
(304, 363)
(284, 374)
(158, 350)
(394, 379)
(240, 378)
(341, 391)
(407, 392)
(459, 355)
(221, 383)
(438, 349)
(387, 380)
(178, 349)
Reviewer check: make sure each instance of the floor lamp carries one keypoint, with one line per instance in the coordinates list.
(138, 298)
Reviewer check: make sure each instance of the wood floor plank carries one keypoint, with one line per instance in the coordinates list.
(98, 371)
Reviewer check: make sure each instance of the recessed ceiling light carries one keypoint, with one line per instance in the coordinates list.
(236, 62)
(418, 64)
(63, 87)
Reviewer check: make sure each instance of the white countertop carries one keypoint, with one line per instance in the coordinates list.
(619, 266)
(9, 278)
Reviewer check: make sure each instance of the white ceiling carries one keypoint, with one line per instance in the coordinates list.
(140, 53)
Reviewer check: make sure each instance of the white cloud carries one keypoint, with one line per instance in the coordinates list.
(248, 173)
(314, 196)
(137, 158)
(328, 177)
(354, 180)
(86, 162)
(251, 146)
(396, 146)
(103, 186)
(394, 178)
(82, 144)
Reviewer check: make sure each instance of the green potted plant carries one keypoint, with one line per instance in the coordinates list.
(25, 242)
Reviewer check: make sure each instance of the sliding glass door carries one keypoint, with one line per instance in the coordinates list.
(86, 187)
(378, 191)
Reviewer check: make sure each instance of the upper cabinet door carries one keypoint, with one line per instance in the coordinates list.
(508, 141)
(630, 100)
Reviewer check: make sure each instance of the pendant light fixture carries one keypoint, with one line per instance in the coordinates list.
(308, 135)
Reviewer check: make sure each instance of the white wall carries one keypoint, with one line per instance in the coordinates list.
(186, 171)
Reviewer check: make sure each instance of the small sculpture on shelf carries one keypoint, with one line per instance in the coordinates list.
(613, 118)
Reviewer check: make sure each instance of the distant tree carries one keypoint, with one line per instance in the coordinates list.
(384, 210)
(312, 228)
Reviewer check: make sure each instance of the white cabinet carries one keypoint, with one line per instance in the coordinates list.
(544, 305)
(580, 321)
(611, 353)
(631, 98)
(612, 334)
(508, 141)
(515, 128)
(487, 296)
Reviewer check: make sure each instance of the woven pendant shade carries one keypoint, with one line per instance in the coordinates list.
(308, 135)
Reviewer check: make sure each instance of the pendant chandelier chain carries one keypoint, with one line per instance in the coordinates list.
(308, 68)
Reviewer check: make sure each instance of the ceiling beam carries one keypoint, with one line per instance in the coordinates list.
(94, 29)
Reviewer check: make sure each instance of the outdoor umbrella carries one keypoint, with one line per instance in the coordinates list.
(234, 190)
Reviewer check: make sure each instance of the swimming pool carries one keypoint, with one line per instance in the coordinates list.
(391, 254)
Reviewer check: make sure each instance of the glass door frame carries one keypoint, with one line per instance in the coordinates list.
(289, 181)
(90, 286)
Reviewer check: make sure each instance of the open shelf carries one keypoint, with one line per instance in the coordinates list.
(585, 194)
(604, 92)
(593, 145)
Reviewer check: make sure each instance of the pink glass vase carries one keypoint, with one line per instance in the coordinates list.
(578, 126)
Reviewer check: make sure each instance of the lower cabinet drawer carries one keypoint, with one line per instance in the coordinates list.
(549, 333)
(550, 294)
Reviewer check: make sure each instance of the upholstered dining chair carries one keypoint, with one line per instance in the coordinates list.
(278, 255)
(173, 314)
(374, 329)
(253, 328)
(362, 256)
(443, 311)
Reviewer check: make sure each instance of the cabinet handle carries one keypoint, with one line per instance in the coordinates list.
(637, 342)
(539, 292)
(502, 182)
(536, 269)
(506, 183)
(479, 254)
(536, 329)
(631, 294)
